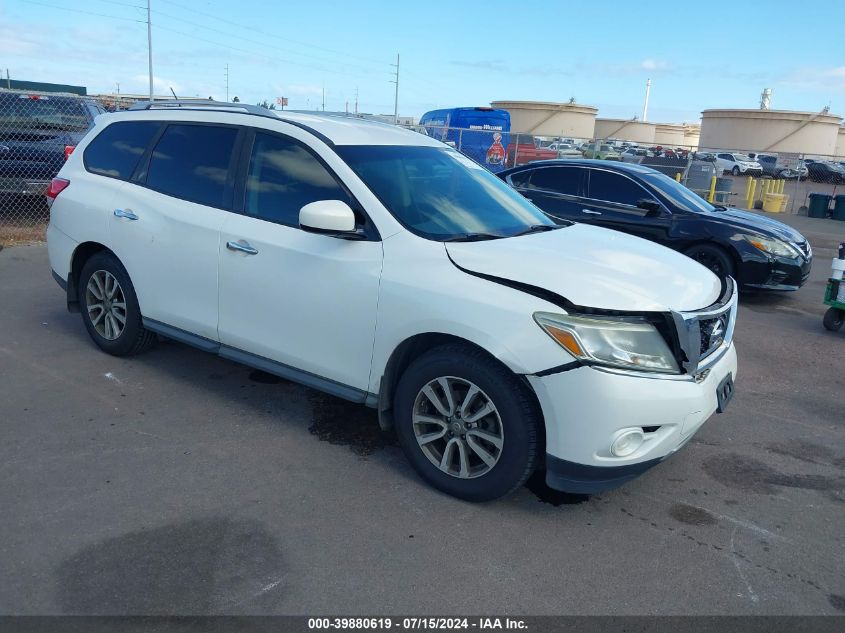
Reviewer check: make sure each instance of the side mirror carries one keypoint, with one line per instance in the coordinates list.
(331, 217)
(651, 206)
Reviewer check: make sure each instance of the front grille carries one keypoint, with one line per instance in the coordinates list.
(703, 333)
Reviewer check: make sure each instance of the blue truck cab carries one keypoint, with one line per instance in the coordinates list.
(480, 133)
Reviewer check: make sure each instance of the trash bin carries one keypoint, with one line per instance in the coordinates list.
(722, 194)
(819, 203)
(839, 207)
(773, 202)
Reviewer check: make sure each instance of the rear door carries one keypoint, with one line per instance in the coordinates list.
(557, 190)
(165, 225)
(612, 200)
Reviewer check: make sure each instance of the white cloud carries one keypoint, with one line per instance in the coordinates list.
(654, 64)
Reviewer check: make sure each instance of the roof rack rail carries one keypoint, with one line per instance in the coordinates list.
(225, 106)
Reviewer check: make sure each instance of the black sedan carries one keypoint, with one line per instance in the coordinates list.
(754, 250)
(826, 171)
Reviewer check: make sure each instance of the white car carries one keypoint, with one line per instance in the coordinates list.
(565, 150)
(383, 267)
(737, 164)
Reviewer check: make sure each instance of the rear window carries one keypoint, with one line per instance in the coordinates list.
(116, 150)
(192, 162)
(43, 112)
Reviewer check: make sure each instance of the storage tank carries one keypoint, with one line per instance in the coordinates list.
(669, 134)
(770, 130)
(625, 130)
(692, 133)
(543, 118)
(840, 142)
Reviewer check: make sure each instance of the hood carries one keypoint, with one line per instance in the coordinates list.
(767, 227)
(596, 268)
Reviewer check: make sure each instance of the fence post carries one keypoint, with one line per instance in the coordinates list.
(515, 148)
(460, 139)
(711, 195)
(749, 195)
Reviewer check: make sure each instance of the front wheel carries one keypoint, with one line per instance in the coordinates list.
(833, 319)
(735, 171)
(468, 425)
(110, 308)
(713, 258)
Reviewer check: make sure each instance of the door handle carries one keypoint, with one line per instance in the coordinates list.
(590, 212)
(125, 213)
(242, 246)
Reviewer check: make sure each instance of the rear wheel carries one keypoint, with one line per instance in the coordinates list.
(833, 319)
(110, 308)
(713, 258)
(467, 424)
(735, 171)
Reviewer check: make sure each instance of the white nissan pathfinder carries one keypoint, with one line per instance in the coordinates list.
(384, 267)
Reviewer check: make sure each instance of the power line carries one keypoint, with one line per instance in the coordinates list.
(100, 15)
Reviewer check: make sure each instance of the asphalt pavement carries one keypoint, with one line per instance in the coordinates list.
(176, 482)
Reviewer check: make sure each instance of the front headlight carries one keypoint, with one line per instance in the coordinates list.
(773, 247)
(630, 343)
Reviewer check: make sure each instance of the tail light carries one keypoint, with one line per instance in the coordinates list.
(68, 151)
(57, 185)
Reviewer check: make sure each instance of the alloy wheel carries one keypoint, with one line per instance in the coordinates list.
(458, 427)
(106, 305)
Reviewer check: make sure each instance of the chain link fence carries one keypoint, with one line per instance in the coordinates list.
(37, 132)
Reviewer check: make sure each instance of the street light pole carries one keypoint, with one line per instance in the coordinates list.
(396, 94)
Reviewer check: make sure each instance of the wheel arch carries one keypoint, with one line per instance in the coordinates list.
(412, 348)
(730, 251)
(82, 253)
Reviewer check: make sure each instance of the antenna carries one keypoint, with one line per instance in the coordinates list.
(396, 95)
(150, 48)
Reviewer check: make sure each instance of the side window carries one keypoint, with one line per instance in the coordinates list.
(565, 180)
(191, 162)
(606, 185)
(726, 157)
(521, 178)
(117, 149)
(283, 177)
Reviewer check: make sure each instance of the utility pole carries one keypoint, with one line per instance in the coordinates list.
(8, 81)
(324, 97)
(150, 48)
(227, 83)
(356, 99)
(396, 95)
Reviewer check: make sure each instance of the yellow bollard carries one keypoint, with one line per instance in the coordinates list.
(748, 186)
(752, 189)
(711, 195)
(678, 177)
(781, 185)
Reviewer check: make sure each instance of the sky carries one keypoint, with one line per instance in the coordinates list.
(452, 54)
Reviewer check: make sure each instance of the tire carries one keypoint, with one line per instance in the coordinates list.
(735, 171)
(714, 258)
(514, 423)
(833, 319)
(99, 276)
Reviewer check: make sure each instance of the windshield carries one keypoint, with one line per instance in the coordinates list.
(441, 194)
(26, 111)
(679, 195)
(743, 158)
(606, 148)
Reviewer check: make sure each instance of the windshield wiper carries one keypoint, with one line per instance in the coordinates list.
(539, 228)
(720, 207)
(473, 237)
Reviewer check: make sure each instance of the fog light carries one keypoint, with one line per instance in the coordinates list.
(627, 443)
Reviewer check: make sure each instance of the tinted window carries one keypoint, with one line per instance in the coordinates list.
(558, 179)
(520, 178)
(117, 149)
(283, 177)
(192, 162)
(42, 112)
(606, 185)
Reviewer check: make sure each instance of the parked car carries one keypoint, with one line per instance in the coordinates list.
(523, 149)
(826, 171)
(37, 132)
(737, 164)
(601, 151)
(758, 252)
(383, 267)
(564, 150)
(774, 167)
(633, 155)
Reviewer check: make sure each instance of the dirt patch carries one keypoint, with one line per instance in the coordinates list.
(11, 235)
(691, 515)
(341, 422)
(807, 452)
(749, 474)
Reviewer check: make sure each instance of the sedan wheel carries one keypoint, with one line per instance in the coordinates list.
(458, 427)
(713, 258)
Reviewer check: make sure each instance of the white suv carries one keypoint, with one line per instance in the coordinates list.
(384, 267)
(737, 164)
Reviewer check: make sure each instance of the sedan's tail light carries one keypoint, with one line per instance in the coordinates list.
(57, 185)
(68, 151)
